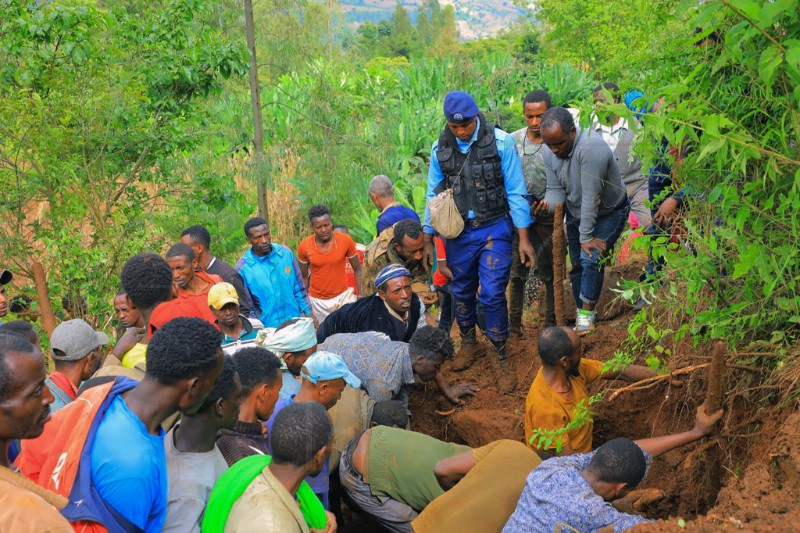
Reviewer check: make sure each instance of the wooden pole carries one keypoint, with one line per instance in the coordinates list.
(712, 475)
(716, 378)
(559, 265)
(43, 297)
(255, 101)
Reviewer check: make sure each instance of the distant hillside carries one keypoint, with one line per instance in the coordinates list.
(475, 18)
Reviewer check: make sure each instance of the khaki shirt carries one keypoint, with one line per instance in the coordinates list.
(266, 505)
(381, 252)
(22, 511)
(350, 416)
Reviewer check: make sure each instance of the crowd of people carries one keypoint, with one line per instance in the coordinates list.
(259, 396)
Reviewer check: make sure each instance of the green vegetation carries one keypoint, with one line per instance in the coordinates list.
(97, 108)
(545, 439)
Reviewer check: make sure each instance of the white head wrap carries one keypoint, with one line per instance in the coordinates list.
(296, 337)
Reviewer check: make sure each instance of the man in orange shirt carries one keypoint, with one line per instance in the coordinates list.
(189, 287)
(560, 385)
(322, 258)
(348, 268)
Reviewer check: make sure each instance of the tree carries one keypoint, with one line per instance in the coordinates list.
(602, 36)
(403, 40)
(447, 39)
(95, 107)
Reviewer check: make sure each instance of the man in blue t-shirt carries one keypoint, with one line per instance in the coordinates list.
(381, 193)
(129, 468)
(125, 440)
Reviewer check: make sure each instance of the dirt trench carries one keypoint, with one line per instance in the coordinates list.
(755, 488)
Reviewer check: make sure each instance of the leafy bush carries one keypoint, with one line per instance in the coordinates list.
(733, 104)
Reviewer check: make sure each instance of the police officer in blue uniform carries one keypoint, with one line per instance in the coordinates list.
(480, 163)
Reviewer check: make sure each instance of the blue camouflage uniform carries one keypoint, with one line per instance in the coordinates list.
(481, 255)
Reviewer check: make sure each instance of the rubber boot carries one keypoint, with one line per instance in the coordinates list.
(515, 330)
(466, 354)
(506, 380)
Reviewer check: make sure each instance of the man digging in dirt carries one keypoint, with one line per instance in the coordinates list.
(573, 493)
(560, 386)
(387, 368)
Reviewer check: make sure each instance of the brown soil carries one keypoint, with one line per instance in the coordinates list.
(746, 475)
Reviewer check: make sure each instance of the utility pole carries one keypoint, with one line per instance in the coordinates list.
(255, 101)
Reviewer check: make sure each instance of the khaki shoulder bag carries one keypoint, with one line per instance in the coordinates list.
(445, 218)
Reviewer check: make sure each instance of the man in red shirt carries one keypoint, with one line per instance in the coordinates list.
(322, 258)
(78, 352)
(189, 287)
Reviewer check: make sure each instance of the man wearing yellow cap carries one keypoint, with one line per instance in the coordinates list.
(240, 331)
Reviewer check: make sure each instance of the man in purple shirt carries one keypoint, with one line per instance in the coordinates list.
(573, 492)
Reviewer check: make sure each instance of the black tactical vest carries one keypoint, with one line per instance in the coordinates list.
(480, 186)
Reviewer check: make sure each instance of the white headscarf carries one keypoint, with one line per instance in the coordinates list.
(296, 337)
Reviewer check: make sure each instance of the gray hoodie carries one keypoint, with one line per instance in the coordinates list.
(588, 180)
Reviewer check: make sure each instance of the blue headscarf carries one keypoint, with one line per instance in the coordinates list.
(391, 271)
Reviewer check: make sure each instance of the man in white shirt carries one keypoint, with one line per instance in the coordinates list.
(619, 134)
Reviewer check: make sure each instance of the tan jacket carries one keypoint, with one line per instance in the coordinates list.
(22, 511)
(266, 505)
(381, 252)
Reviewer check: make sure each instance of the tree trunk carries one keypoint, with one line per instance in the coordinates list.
(258, 124)
(716, 377)
(43, 297)
(559, 264)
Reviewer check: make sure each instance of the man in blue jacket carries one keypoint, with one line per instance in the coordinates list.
(269, 274)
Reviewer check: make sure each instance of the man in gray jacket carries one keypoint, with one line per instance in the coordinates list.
(583, 174)
(618, 135)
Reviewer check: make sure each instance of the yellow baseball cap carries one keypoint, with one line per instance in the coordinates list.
(222, 294)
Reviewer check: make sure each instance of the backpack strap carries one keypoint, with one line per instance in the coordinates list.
(57, 392)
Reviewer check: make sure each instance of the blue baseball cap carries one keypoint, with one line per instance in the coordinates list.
(325, 366)
(460, 107)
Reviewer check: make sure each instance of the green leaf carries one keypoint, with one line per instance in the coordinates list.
(750, 8)
(768, 64)
(792, 56)
(773, 9)
(746, 261)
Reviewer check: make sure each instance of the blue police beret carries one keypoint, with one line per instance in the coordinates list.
(459, 107)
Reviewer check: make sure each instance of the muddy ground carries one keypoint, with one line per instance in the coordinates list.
(746, 476)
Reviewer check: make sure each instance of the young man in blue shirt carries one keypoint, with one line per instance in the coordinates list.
(268, 271)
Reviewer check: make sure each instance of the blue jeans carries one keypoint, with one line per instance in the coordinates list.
(481, 256)
(588, 271)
